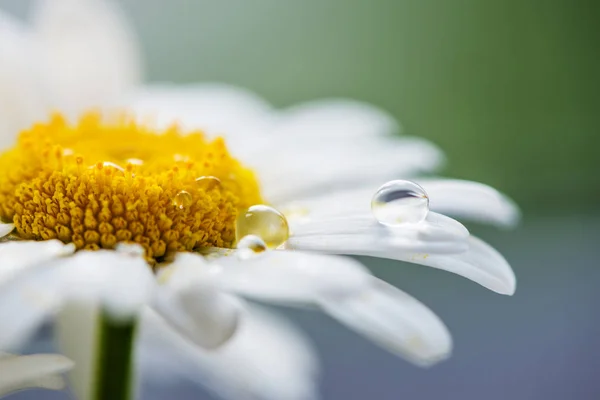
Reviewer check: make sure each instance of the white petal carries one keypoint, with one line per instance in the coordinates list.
(90, 54)
(215, 108)
(22, 100)
(291, 169)
(32, 371)
(76, 332)
(394, 320)
(122, 284)
(5, 229)
(362, 235)
(266, 359)
(471, 201)
(196, 308)
(343, 118)
(480, 263)
(22, 307)
(16, 256)
(285, 276)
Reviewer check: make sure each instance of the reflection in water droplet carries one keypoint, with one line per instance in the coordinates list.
(265, 222)
(182, 200)
(249, 246)
(208, 182)
(399, 202)
(134, 161)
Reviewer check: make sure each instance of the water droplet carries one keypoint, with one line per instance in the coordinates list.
(265, 222)
(399, 202)
(208, 182)
(134, 161)
(67, 152)
(182, 200)
(249, 246)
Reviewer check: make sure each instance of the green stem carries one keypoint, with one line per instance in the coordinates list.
(115, 364)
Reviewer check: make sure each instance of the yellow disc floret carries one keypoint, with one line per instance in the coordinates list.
(99, 182)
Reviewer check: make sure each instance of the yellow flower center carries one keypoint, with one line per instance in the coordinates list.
(101, 182)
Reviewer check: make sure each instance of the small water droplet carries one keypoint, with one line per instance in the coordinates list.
(399, 202)
(208, 182)
(249, 246)
(182, 200)
(265, 222)
(67, 152)
(134, 161)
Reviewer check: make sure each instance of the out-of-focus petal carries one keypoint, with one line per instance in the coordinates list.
(32, 371)
(471, 201)
(342, 118)
(266, 359)
(121, 284)
(76, 333)
(5, 229)
(22, 98)
(196, 308)
(394, 320)
(215, 108)
(283, 276)
(89, 52)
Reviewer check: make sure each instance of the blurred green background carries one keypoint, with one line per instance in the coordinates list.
(508, 88)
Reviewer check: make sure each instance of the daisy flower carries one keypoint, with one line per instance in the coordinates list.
(145, 230)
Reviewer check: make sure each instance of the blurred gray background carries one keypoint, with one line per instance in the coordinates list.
(510, 90)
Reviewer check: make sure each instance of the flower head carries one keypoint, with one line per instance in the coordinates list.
(96, 184)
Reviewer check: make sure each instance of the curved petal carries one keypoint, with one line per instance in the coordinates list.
(471, 201)
(283, 276)
(196, 308)
(480, 263)
(32, 371)
(90, 54)
(266, 359)
(362, 235)
(394, 320)
(5, 229)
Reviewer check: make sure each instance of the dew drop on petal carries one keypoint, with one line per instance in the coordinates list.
(208, 182)
(265, 222)
(182, 200)
(399, 202)
(249, 246)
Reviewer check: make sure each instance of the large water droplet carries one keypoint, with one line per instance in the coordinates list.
(249, 246)
(399, 202)
(208, 182)
(182, 200)
(265, 222)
